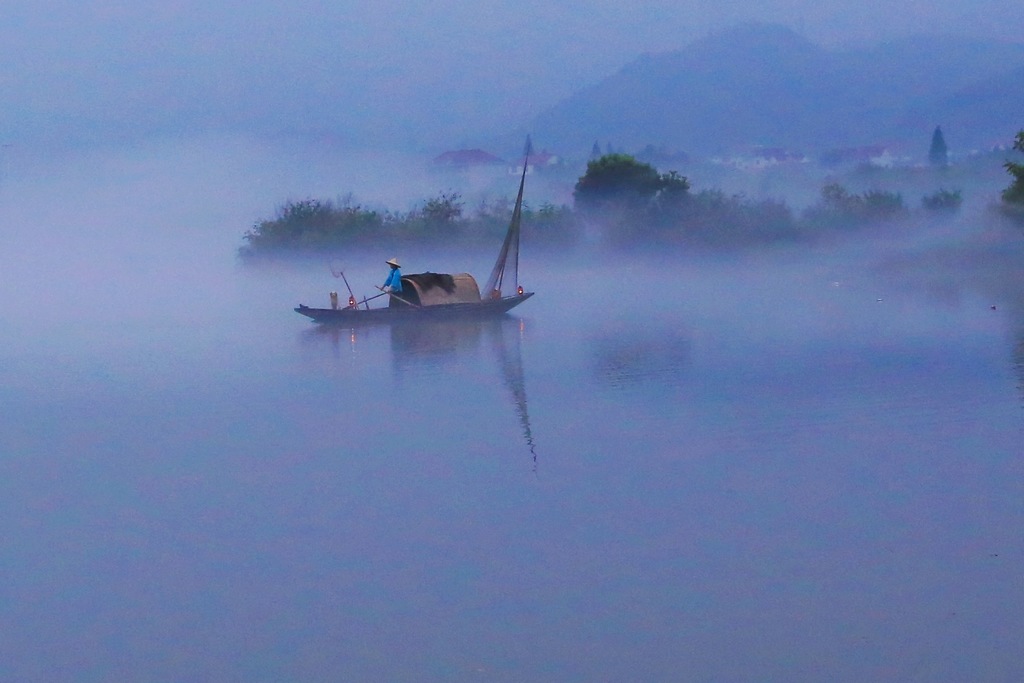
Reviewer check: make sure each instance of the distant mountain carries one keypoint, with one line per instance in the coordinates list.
(766, 85)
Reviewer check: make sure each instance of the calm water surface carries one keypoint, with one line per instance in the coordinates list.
(793, 467)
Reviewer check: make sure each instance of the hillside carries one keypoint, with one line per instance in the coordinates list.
(766, 85)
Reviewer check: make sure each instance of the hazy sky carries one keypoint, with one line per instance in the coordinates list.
(417, 74)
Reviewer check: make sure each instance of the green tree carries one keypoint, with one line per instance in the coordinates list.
(313, 224)
(938, 154)
(943, 200)
(673, 197)
(1014, 194)
(549, 224)
(444, 209)
(840, 208)
(619, 179)
(882, 204)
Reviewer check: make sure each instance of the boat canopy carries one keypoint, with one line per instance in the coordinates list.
(433, 289)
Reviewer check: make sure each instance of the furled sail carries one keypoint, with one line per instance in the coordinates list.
(508, 258)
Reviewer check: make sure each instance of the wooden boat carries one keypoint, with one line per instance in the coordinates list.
(481, 308)
(442, 296)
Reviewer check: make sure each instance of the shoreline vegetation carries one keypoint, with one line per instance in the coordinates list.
(619, 202)
(1013, 196)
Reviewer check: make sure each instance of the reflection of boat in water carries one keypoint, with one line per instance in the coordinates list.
(439, 339)
(434, 344)
(442, 296)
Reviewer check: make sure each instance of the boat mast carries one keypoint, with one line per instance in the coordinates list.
(511, 243)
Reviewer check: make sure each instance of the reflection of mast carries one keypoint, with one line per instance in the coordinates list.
(512, 371)
(1018, 364)
(435, 342)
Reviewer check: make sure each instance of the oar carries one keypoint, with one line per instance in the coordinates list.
(393, 295)
(375, 296)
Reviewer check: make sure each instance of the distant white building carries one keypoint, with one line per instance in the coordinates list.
(880, 156)
(542, 159)
(762, 158)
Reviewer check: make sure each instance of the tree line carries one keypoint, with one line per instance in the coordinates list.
(1014, 194)
(312, 225)
(625, 200)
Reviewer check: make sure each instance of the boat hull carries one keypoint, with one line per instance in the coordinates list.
(457, 311)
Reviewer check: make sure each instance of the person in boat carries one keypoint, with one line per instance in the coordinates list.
(394, 281)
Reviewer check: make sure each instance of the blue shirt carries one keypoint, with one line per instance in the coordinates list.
(394, 280)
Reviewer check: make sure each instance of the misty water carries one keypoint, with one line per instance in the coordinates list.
(801, 464)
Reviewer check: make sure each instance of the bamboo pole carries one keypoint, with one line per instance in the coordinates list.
(395, 296)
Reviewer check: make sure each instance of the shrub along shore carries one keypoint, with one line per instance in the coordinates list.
(624, 201)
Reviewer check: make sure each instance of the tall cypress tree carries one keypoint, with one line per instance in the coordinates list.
(938, 155)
